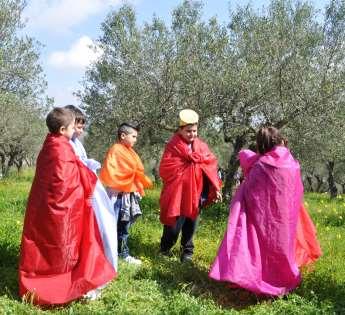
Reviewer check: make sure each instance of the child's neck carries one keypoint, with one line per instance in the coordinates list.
(125, 144)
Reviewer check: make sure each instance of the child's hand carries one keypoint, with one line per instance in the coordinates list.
(219, 196)
(93, 164)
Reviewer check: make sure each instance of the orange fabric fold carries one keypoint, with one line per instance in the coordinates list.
(123, 170)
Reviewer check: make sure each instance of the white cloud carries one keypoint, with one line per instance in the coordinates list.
(61, 15)
(78, 56)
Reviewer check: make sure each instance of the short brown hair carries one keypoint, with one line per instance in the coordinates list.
(59, 117)
(267, 138)
(80, 117)
(127, 128)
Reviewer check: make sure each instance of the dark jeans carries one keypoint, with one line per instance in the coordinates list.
(122, 231)
(171, 233)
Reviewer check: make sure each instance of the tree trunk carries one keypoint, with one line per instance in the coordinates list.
(331, 183)
(155, 172)
(233, 165)
(9, 164)
(310, 182)
(19, 164)
(2, 161)
(319, 183)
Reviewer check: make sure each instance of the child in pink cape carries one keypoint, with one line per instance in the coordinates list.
(258, 250)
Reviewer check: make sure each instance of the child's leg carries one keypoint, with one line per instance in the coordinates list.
(170, 235)
(122, 230)
(187, 245)
(122, 235)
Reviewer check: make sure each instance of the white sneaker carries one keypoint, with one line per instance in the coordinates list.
(92, 295)
(132, 260)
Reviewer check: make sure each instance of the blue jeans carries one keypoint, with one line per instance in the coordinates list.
(122, 231)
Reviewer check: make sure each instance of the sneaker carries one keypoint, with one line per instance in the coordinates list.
(132, 260)
(166, 253)
(186, 258)
(92, 295)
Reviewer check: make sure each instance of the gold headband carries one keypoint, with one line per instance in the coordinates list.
(188, 117)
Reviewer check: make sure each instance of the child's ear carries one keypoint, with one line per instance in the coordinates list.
(62, 130)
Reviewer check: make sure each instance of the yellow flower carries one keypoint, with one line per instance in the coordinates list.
(338, 236)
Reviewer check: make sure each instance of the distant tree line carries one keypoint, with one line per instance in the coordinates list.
(22, 86)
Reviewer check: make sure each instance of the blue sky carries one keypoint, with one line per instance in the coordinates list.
(67, 27)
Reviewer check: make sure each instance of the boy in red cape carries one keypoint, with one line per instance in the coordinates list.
(61, 256)
(189, 173)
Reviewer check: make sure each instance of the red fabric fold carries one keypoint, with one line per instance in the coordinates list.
(62, 254)
(307, 246)
(182, 170)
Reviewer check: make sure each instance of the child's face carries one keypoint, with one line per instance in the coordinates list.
(189, 132)
(79, 129)
(68, 131)
(130, 139)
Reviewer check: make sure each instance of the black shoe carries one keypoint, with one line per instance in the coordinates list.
(166, 253)
(186, 258)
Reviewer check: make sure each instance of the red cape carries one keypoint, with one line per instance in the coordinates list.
(307, 247)
(62, 254)
(182, 172)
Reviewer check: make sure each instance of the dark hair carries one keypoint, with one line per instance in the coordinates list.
(127, 128)
(59, 117)
(80, 117)
(267, 138)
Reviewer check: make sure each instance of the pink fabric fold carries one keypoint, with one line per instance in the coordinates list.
(258, 249)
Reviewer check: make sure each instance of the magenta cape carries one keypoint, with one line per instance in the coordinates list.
(258, 249)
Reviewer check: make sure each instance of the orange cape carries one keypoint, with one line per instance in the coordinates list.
(123, 170)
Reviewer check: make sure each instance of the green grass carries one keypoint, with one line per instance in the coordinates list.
(165, 286)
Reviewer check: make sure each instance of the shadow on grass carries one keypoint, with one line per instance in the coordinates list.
(174, 276)
(9, 271)
(323, 288)
(192, 278)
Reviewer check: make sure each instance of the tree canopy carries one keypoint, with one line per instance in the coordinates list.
(282, 66)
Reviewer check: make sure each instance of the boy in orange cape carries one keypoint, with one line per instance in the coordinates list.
(123, 175)
(62, 256)
(189, 173)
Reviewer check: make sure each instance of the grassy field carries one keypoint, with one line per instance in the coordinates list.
(165, 286)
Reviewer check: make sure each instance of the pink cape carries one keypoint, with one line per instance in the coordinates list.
(307, 247)
(258, 249)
